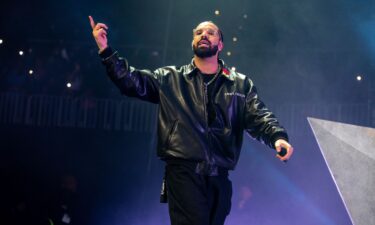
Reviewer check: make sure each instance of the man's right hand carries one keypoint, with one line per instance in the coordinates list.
(99, 31)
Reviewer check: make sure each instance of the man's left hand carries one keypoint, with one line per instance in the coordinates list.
(281, 143)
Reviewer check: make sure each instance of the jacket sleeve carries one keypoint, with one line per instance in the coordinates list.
(143, 84)
(260, 123)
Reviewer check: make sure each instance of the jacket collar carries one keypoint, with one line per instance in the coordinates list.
(225, 71)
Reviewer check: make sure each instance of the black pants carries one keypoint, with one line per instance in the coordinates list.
(196, 199)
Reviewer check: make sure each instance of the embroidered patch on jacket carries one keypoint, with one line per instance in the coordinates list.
(226, 71)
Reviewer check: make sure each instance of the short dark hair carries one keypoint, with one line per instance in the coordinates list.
(220, 32)
(221, 36)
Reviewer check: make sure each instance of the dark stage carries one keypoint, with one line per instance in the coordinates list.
(73, 150)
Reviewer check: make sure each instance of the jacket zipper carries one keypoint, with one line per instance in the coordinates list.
(205, 100)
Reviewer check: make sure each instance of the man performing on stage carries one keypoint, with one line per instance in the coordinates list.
(204, 107)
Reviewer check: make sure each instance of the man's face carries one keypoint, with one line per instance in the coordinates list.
(206, 40)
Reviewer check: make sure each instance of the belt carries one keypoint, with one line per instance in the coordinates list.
(201, 167)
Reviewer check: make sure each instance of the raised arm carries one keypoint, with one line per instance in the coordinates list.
(143, 84)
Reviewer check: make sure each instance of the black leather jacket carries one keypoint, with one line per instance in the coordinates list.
(183, 130)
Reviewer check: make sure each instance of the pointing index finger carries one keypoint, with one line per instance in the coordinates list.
(92, 23)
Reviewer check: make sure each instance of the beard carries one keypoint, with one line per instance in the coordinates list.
(205, 52)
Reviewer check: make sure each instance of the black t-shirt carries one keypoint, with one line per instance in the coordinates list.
(210, 84)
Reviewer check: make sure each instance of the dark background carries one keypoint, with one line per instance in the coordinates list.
(69, 145)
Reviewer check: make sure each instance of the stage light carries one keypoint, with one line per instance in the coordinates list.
(217, 12)
(31, 72)
(359, 77)
(235, 39)
(20, 52)
(68, 85)
(245, 16)
(1, 41)
(229, 53)
(234, 68)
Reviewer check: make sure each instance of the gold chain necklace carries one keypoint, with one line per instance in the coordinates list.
(212, 80)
